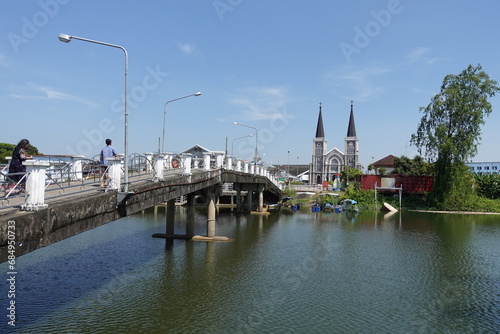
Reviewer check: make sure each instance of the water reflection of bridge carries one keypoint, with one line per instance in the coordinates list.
(76, 203)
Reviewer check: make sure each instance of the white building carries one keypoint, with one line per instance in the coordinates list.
(484, 167)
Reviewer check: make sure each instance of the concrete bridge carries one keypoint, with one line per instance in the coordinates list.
(84, 205)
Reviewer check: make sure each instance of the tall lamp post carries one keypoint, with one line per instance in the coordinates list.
(232, 143)
(297, 168)
(256, 141)
(66, 39)
(165, 115)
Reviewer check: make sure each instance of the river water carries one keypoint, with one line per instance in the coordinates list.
(283, 273)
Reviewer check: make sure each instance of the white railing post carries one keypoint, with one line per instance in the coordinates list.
(238, 165)
(252, 168)
(206, 161)
(186, 163)
(245, 166)
(149, 161)
(114, 172)
(229, 162)
(35, 185)
(219, 161)
(159, 167)
(76, 168)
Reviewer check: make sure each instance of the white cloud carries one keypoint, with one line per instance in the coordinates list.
(32, 91)
(186, 47)
(262, 103)
(359, 84)
(421, 54)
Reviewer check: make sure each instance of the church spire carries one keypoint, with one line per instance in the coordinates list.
(351, 130)
(320, 133)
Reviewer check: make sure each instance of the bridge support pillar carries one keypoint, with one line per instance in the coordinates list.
(237, 187)
(35, 185)
(249, 200)
(170, 217)
(211, 214)
(260, 191)
(212, 194)
(190, 215)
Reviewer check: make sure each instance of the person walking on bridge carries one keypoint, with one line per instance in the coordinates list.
(106, 152)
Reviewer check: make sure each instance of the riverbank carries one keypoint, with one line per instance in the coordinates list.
(458, 212)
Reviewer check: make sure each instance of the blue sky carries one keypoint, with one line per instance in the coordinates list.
(267, 64)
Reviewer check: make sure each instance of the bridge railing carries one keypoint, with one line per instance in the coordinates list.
(63, 176)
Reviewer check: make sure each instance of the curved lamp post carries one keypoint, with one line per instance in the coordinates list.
(232, 143)
(256, 140)
(66, 39)
(165, 115)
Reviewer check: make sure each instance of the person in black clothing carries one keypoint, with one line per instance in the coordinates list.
(18, 156)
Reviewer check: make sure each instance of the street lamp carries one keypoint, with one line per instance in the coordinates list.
(165, 115)
(66, 39)
(297, 168)
(232, 143)
(256, 141)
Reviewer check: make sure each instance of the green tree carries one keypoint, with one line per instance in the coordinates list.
(349, 174)
(406, 166)
(450, 131)
(370, 168)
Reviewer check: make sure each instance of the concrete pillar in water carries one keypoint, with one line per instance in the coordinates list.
(237, 187)
(211, 213)
(190, 214)
(249, 200)
(170, 217)
(261, 198)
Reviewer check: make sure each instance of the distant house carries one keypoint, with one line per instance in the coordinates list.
(484, 167)
(387, 163)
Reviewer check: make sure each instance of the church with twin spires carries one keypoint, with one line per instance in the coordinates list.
(326, 165)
